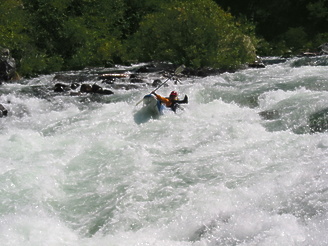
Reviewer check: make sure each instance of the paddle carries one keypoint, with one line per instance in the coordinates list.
(176, 72)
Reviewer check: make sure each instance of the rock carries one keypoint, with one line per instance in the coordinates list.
(323, 49)
(3, 111)
(269, 114)
(98, 89)
(85, 88)
(95, 89)
(134, 78)
(273, 60)
(60, 87)
(156, 82)
(201, 72)
(155, 68)
(258, 63)
(7, 66)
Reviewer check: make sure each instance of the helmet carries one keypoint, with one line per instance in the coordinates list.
(174, 93)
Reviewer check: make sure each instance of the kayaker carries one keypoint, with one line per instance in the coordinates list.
(172, 101)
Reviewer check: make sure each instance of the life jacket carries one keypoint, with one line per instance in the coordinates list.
(164, 100)
(172, 104)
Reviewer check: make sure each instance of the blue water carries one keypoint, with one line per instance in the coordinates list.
(79, 171)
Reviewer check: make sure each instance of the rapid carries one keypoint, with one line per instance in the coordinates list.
(80, 171)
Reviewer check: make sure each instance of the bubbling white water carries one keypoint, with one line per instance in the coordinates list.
(81, 171)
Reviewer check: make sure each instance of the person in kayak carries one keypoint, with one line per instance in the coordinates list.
(172, 101)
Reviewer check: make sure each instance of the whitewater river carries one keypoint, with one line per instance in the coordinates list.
(80, 171)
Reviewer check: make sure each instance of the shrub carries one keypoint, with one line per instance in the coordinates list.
(196, 33)
(295, 38)
(34, 63)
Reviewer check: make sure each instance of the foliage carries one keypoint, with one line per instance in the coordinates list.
(12, 26)
(34, 63)
(280, 23)
(196, 33)
(73, 29)
(295, 38)
(320, 39)
(318, 14)
(46, 36)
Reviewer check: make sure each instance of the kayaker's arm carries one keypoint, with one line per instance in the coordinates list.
(185, 100)
(162, 99)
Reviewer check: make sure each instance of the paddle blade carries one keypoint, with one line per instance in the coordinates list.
(179, 69)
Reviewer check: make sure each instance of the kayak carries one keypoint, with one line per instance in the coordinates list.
(152, 109)
(152, 105)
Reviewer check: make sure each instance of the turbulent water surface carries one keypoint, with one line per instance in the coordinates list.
(239, 166)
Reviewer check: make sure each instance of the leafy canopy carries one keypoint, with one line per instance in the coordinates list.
(196, 33)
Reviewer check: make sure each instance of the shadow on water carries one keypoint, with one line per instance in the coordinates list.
(311, 61)
(318, 122)
(144, 115)
(314, 123)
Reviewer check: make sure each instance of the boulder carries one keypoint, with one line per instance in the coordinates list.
(155, 67)
(7, 66)
(323, 49)
(60, 87)
(258, 63)
(201, 72)
(3, 111)
(269, 114)
(134, 78)
(95, 89)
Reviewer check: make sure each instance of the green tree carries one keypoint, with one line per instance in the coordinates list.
(281, 22)
(13, 26)
(72, 34)
(295, 38)
(95, 33)
(318, 14)
(196, 33)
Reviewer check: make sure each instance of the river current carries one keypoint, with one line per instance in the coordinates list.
(239, 166)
